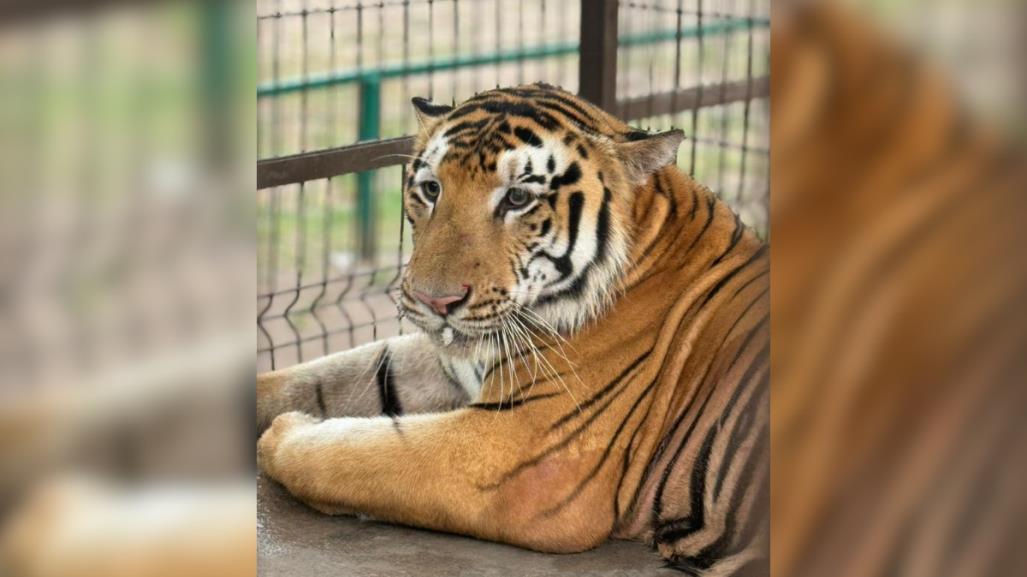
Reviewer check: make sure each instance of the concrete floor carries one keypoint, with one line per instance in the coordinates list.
(296, 541)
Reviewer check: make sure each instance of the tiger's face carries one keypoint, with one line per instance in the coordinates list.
(519, 200)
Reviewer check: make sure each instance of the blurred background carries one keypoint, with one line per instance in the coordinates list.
(898, 323)
(126, 275)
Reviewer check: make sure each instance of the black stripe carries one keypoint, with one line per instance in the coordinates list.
(664, 444)
(695, 203)
(716, 288)
(742, 428)
(447, 370)
(464, 126)
(562, 99)
(657, 238)
(561, 110)
(499, 107)
(629, 451)
(602, 242)
(546, 225)
(415, 197)
(556, 102)
(697, 490)
(756, 521)
(694, 520)
(569, 177)
(602, 393)
(563, 264)
(528, 136)
(319, 395)
(716, 550)
(711, 203)
(386, 386)
(662, 188)
(554, 448)
(749, 282)
(607, 452)
(512, 403)
(665, 476)
(736, 236)
(603, 228)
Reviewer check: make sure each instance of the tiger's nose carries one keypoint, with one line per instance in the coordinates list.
(446, 303)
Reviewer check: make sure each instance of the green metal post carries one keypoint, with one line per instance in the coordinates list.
(369, 129)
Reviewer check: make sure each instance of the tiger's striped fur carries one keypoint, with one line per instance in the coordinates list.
(609, 362)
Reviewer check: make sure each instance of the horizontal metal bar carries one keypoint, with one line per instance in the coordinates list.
(694, 97)
(533, 53)
(332, 162)
(370, 155)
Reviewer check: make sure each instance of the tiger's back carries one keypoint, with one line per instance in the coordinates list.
(684, 356)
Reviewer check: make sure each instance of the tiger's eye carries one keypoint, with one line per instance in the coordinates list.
(431, 190)
(517, 197)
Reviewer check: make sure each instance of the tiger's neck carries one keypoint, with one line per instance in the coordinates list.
(670, 215)
(699, 283)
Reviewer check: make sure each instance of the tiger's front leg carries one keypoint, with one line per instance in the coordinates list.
(405, 374)
(469, 471)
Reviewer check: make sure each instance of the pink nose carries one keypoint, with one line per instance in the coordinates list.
(443, 304)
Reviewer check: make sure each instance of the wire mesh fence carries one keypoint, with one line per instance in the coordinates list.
(332, 75)
(334, 89)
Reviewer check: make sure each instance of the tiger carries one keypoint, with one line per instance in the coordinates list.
(592, 354)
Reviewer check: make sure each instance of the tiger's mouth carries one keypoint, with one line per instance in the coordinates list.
(452, 334)
(461, 336)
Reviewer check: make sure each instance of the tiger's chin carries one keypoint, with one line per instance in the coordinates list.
(510, 330)
(454, 341)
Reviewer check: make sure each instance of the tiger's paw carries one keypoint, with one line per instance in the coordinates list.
(269, 445)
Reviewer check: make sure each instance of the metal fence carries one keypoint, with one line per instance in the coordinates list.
(334, 116)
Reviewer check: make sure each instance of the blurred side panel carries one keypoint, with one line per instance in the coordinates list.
(898, 178)
(126, 288)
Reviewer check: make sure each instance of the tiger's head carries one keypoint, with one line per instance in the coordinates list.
(520, 203)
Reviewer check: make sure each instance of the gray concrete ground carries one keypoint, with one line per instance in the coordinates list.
(296, 541)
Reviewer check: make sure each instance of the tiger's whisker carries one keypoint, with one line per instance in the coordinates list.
(523, 344)
(558, 378)
(530, 346)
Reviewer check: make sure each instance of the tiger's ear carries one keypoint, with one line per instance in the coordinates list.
(644, 153)
(428, 112)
